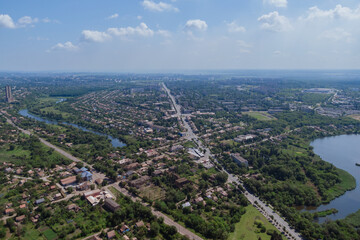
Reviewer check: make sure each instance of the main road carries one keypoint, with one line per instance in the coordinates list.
(269, 213)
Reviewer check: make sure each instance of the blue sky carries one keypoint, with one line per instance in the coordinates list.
(175, 35)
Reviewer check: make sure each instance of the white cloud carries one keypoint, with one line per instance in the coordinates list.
(164, 33)
(277, 3)
(68, 46)
(337, 34)
(115, 15)
(94, 36)
(275, 22)
(158, 7)
(141, 30)
(336, 13)
(196, 24)
(26, 20)
(6, 21)
(233, 27)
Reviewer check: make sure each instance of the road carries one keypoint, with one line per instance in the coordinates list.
(277, 221)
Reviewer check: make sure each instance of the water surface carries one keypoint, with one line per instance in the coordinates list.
(343, 152)
(114, 141)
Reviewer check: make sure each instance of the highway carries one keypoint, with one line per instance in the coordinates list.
(277, 220)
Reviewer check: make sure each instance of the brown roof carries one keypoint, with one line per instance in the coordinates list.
(110, 234)
(69, 180)
(20, 218)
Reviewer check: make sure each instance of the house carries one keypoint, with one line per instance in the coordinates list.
(111, 205)
(140, 181)
(73, 207)
(9, 211)
(83, 186)
(111, 234)
(187, 204)
(86, 176)
(131, 166)
(39, 201)
(181, 182)
(124, 229)
(20, 218)
(68, 181)
(139, 224)
(126, 237)
(22, 206)
(239, 160)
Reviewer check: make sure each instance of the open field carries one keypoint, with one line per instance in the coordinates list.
(355, 116)
(246, 229)
(261, 116)
(152, 192)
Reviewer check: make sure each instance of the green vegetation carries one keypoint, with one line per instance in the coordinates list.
(354, 219)
(261, 116)
(253, 225)
(347, 182)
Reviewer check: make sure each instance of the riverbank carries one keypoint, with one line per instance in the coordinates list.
(348, 183)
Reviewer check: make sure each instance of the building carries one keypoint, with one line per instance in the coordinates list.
(86, 176)
(111, 234)
(39, 201)
(8, 95)
(111, 205)
(239, 160)
(181, 182)
(68, 181)
(140, 181)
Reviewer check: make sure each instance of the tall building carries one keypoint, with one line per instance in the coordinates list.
(8, 95)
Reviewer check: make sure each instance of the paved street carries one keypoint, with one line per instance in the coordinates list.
(278, 221)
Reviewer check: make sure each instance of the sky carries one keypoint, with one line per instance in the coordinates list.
(178, 35)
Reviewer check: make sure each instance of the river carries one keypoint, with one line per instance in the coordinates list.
(114, 141)
(343, 152)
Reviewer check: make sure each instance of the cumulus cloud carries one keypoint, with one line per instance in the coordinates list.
(233, 27)
(276, 3)
(158, 7)
(337, 34)
(27, 20)
(67, 46)
(195, 25)
(141, 30)
(6, 21)
(94, 36)
(115, 15)
(339, 12)
(275, 22)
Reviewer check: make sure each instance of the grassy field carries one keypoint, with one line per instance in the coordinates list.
(50, 234)
(355, 116)
(152, 192)
(347, 183)
(261, 116)
(8, 156)
(246, 228)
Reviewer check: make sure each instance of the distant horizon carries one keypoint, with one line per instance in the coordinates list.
(172, 35)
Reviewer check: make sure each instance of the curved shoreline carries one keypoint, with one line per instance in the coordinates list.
(341, 151)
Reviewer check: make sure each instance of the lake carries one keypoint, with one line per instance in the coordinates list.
(114, 141)
(343, 152)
